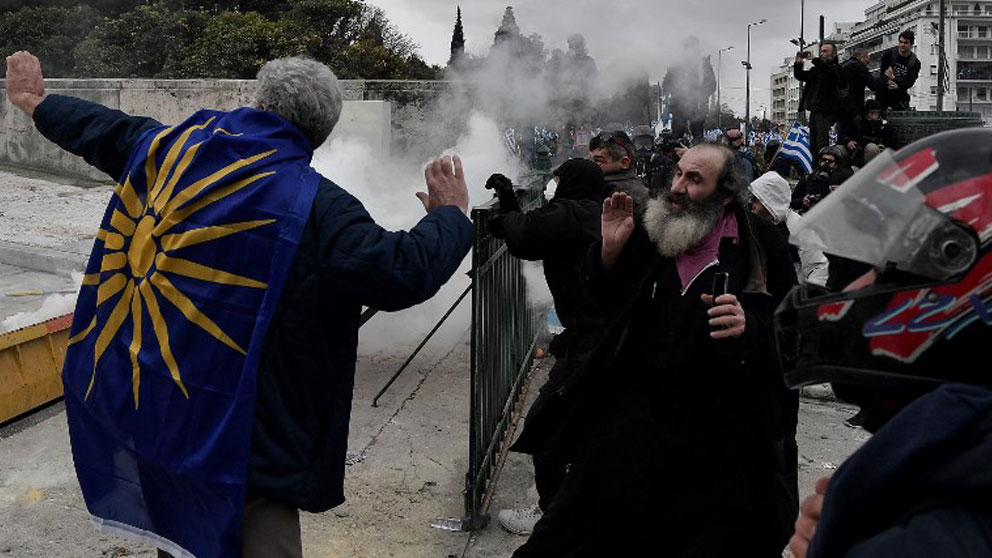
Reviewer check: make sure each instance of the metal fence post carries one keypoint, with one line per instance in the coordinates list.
(503, 339)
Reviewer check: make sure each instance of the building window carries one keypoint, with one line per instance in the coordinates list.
(981, 94)
(983, 32)
(933, 90)
(964, 93)
(933, 69)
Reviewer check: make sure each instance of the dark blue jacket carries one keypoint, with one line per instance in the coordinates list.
(921, 487)
(307, 365)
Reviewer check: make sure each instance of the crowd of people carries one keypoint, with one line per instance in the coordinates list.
(642, 411)
(665, 423)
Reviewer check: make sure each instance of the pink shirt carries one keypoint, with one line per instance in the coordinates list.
(694, 262)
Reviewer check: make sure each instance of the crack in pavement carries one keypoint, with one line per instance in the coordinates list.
(410, 397)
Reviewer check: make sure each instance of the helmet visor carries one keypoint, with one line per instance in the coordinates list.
(880, 217)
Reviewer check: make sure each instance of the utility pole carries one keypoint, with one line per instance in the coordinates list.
(747, 80)
(719, 73)
(941, 69)
(801, 43)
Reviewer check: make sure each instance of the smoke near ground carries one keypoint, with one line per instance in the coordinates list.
(52, 306)
(386, 186)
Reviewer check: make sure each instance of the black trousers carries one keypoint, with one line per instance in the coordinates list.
(549, 474)
(819, 132)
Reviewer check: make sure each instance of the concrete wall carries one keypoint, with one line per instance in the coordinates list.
(389, 115)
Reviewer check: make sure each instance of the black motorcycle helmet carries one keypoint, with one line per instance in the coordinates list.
(922, 217)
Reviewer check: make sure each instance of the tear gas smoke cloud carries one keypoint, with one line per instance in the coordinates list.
(634, 36)
(537, 287)
(386, 187)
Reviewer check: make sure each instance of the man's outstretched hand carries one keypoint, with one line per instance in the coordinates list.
(618, 224)
(445, 184)
(25, 83)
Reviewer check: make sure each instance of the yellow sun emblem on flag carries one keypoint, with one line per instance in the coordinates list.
(139, 254)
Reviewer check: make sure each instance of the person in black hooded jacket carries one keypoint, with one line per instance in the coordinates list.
(559, 234)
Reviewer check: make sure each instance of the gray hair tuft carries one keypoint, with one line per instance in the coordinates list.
(304, 92)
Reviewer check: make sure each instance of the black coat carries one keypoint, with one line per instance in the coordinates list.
(877, 132)
(629, 183)
(818, 184)
(679, 438)
(857, 78)
(919, 488)
(824, 82)
(559, 234)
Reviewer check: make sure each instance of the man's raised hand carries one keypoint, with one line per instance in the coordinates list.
(445, 180)
(25, 83)
(617, 226)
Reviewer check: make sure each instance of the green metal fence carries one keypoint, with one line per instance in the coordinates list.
(504, 336)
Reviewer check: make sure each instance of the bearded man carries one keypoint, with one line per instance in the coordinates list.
(686, 451)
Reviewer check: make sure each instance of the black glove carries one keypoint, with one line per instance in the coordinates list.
(498, 182)
(503, 187)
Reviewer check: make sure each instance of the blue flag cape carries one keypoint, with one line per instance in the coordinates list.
(182, 284)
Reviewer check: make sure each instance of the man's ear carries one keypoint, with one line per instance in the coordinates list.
(625, 162)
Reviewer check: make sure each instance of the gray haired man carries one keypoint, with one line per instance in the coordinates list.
(306, 356)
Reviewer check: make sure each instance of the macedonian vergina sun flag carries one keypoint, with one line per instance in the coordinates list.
(183, 281)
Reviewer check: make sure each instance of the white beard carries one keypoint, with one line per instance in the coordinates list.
(676, 232)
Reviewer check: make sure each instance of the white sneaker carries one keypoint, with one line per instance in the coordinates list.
(520, 521)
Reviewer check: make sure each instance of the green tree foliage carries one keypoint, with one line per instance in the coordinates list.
(48, 32)
(142, 43)
(321, 29)
(457, 39)
(216, 39)
(233, 45)
(103, 7)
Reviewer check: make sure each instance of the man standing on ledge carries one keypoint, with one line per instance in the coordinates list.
(209, 377)
(821, 97)
(898, 68)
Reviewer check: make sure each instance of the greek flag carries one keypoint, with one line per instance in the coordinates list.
(796, 147)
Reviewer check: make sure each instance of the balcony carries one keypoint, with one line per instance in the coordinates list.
(974, 71)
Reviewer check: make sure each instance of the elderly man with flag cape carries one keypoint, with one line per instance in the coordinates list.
(210, 368)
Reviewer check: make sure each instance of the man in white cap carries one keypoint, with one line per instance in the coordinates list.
(770, 197)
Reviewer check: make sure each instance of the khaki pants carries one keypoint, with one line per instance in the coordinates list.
(270, 530)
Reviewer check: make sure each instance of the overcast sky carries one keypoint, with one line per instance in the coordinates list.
(645, 34)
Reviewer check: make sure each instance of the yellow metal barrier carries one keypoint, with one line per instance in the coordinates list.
(31, 366)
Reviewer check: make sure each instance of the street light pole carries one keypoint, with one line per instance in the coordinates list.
(941, 66)
(719, 74)
(747, 81)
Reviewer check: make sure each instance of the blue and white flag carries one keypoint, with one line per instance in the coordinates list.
(181, 286)
(796, 147)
